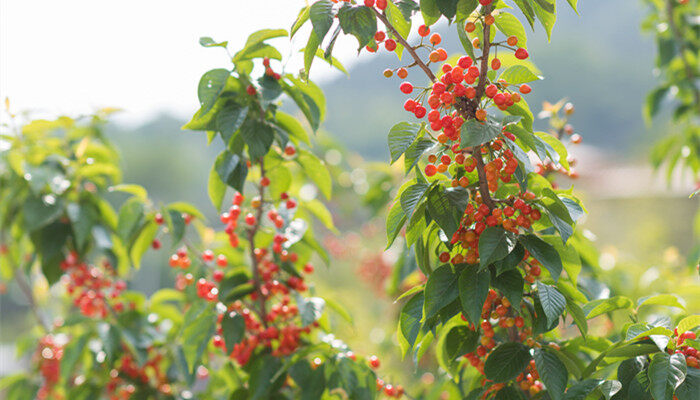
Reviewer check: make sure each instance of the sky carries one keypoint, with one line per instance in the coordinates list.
(76, 56)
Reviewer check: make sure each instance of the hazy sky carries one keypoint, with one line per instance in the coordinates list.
(74, 56)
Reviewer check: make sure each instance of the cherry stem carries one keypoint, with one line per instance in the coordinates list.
(253, 257)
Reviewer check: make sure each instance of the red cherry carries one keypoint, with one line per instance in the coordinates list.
(380, 35)
(221, 260)
(406, 87)
(251, 90)
(158, 218)
(369, 3)
(485, 2)
(525, 88)
(390, 44)
(423, 30)
(374, 362)
(208, 255)
(381, 4)
(218, 275)
(430, 170)
(521, 54)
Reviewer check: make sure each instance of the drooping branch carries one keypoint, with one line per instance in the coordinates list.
(407, 46)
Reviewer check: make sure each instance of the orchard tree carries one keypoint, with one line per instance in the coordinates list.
(494, 236)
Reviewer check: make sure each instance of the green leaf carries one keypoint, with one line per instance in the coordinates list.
(440, 290)
(552, 372)
(544, 253)
(666, 373)
(321, 15)
(395, 220)
(232, 169)
(401, 136)
(511, 26)
(510, 283)
(603, 306)
(216, 188)
(310, 309)
(526, 7)
(415, 151)
(197, 330)
(302, 17)
(430, 11)
(473, 290)
(688, 323)
(229, 119)
(130, 215)
(668, 300)
(579, 317)
(399, 22)
(82, 218)
(574, 5)
(264, 378)
(292, 126)
(518, 74)
(143, 242)
(581, 390)
(412, 196)
(464, 9)
(210, 87)
(206, 41)
(310, 51)
(39, 212)
(495, 243)
(441, 210)
(455, 340)
(410, 322)
(258, 135)
(689, 389)
(72, 354)
(358, 21)
(448, 8)
(136, 190)
(506, 362)
(316, 170)
(546, 13)
(475, 133)
(552, 301)
(233, 328)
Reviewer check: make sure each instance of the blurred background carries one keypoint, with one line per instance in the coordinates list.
(74, 57)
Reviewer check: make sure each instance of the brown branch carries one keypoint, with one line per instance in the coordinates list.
(683, 48)
(407, 46)
(483, 182)
(470, 114)
(253, 258)
(485, 49)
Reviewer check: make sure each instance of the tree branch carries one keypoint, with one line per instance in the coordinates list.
(253, 258)
(407, 46)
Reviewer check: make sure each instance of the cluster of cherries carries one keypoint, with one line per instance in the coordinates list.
(692, 356)
(128, 372)
(498, 310)
(49, 355)
(92, 287)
